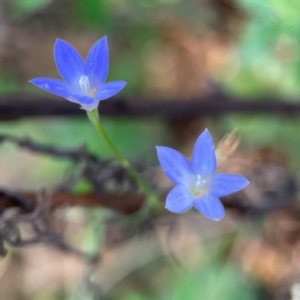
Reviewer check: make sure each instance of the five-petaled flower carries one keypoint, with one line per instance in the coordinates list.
(196, 182)
(84, 82)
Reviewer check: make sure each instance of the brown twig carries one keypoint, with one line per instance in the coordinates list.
(43, 226)
(27, 201)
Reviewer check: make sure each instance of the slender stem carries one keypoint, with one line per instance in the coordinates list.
(151, 196)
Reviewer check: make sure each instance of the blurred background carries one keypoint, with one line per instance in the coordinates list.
(192, 51)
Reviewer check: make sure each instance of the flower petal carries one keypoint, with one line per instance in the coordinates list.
(174, 164)
(53, 86)
(109, 89)
(86, 102)
(225, 184)
(204, 158)
(62, 89)
(210, 207)
(96, 67)
(69, 63)
(178, 200)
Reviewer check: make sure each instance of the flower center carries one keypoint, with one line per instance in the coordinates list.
(199, 185)
(86, 87)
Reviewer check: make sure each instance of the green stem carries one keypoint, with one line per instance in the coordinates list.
(151, 196)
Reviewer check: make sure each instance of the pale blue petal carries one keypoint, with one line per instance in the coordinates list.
(53, 86)
(174, 164)
(97, 63)
(179, 200)
(109, 89)
(225, 184)
(204, 158)
(210, 207)
(90, 106)
(81, 99)
(62, 89)
(69, 63)
(86, 102)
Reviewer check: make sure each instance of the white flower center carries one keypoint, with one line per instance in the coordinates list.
(85, 85)
(198, 186)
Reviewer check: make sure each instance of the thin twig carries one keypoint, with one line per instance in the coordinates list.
(75, 154)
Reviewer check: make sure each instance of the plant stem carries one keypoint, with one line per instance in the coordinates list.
(151, 196)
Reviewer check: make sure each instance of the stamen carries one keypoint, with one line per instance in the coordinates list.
(198, 180)
(198, 185)
(85, 85)
(93, 93)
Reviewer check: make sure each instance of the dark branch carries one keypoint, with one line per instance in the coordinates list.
(17, 107)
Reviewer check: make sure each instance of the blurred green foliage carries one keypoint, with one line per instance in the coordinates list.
(268, 45)
(94, 12)
(267, 54)
(212, 276)
(215, 281)
(24, 8)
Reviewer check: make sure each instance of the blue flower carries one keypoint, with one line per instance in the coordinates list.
(196, 182)
(84, 81)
